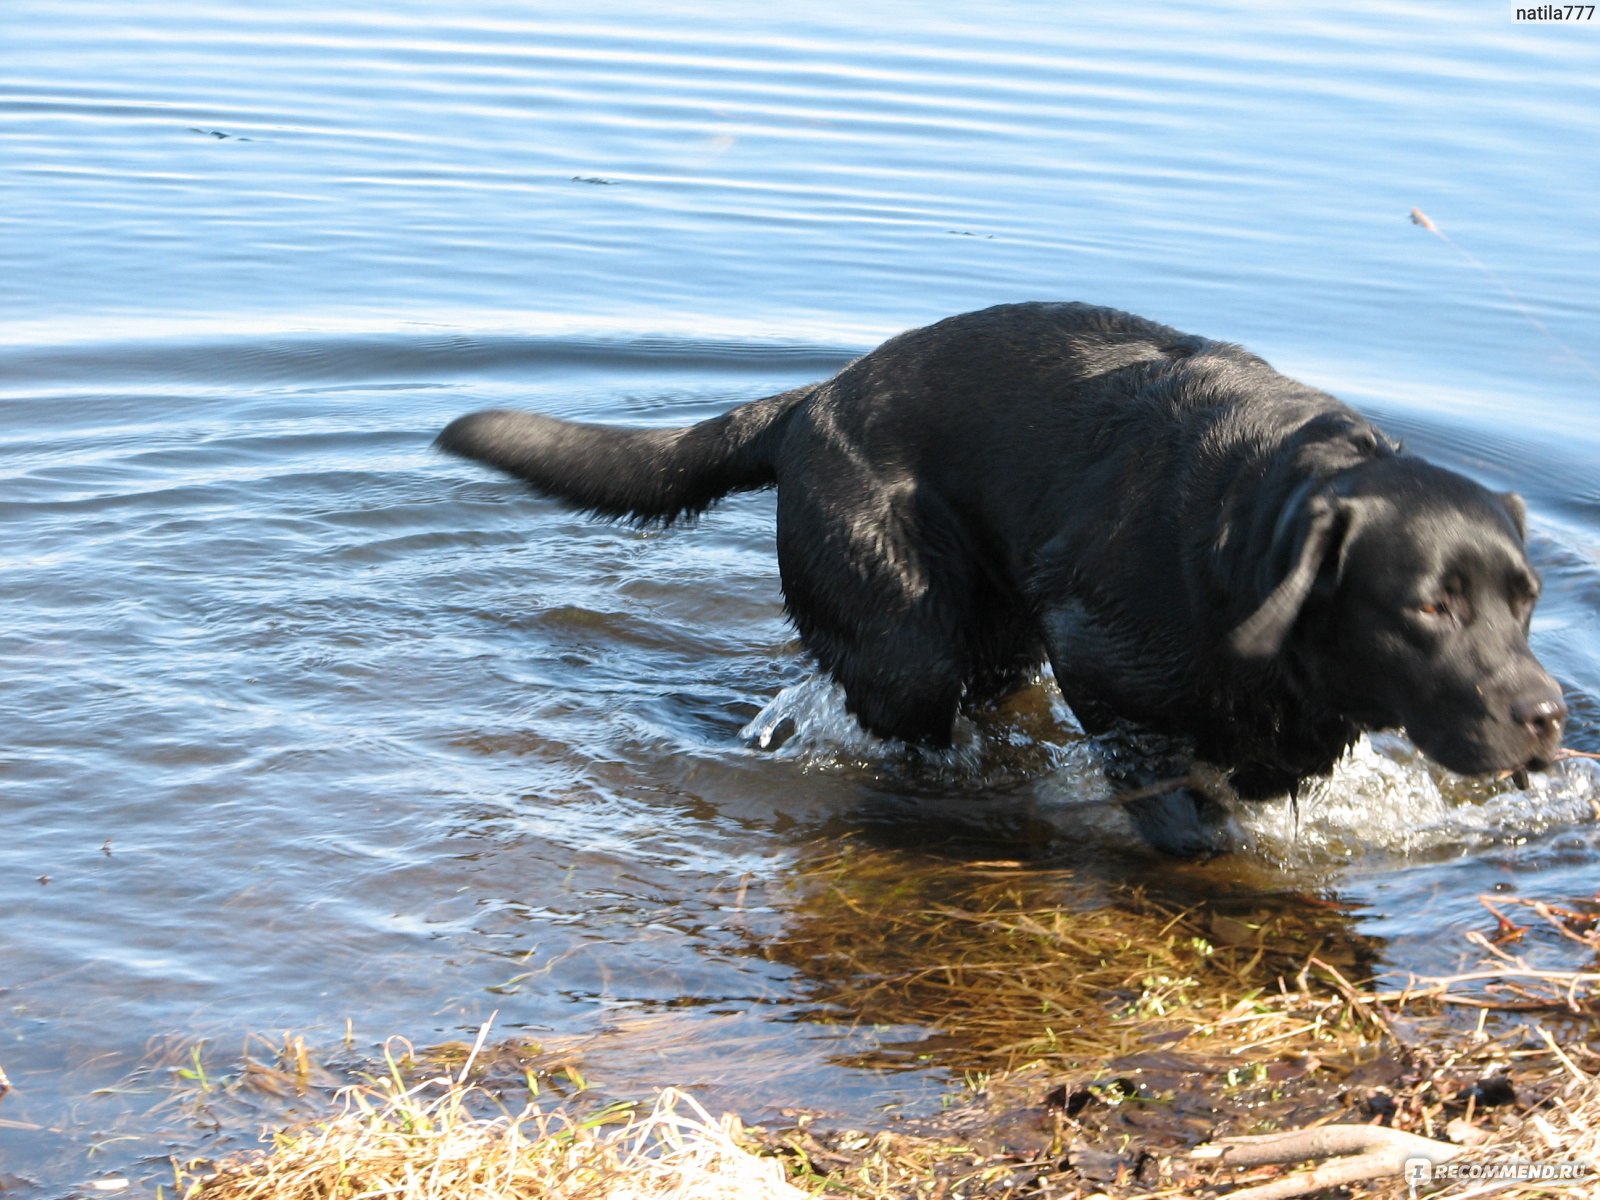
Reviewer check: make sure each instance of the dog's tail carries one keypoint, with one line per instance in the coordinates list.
(652, 476)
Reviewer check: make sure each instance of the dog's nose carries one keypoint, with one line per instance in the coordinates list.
(1544, 716)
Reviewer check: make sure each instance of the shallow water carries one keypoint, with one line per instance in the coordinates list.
(304, 723)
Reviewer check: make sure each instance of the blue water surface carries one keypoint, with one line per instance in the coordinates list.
(303, 723)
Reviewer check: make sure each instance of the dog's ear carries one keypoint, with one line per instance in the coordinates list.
(1518, 511)
(1308, 534)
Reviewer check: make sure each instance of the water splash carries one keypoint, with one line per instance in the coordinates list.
(1383, 797)
(808, 722)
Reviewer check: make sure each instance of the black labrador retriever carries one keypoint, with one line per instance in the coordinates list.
(1200, 545)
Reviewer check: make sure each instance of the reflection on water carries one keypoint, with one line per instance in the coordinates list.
(304, 723)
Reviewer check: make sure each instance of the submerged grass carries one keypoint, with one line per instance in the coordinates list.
(1013, 965)
(1103, 1039)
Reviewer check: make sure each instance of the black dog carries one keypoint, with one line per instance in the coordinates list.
(1199, 544)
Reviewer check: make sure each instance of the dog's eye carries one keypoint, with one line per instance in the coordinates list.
(1437, 609)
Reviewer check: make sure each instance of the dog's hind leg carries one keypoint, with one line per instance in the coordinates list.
(881, 594)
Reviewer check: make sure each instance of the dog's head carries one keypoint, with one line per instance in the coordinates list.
(1409, 589)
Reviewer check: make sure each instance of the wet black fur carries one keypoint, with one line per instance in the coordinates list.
(1199, 544)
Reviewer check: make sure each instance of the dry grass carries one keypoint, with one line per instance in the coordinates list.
(1103, 1039)
(431, 1141)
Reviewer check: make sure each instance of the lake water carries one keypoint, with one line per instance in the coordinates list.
(304, 723)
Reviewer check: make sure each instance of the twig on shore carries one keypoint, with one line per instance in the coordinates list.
(1366, 1152)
